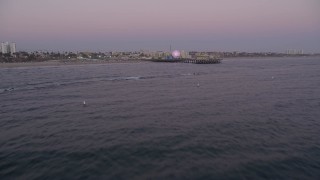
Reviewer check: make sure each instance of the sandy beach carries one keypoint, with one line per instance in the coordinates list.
(63, 63)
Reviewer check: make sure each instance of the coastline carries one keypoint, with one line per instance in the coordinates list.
(63, 62)
(66, 62)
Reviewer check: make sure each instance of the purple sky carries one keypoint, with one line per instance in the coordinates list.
(213, 25)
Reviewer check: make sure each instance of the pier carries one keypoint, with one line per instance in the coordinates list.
(203, 61)
(193, 61)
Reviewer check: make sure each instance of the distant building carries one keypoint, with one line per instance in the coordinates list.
(12, 48)
(7, 47)
(185, 54)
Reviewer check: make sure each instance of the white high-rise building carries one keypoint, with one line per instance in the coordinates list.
(7, 47)
(12, 48)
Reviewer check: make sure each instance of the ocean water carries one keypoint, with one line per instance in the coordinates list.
(241, 119)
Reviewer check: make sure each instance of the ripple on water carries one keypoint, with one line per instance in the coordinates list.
(150, 120)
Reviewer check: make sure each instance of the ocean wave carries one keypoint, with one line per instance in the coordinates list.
(7, 90)
(48, 84)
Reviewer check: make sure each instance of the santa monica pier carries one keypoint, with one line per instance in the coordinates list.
(176, 56)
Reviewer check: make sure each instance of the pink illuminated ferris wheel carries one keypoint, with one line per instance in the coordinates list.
(176, 54)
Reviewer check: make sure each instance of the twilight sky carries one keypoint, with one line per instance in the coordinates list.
(209, 25)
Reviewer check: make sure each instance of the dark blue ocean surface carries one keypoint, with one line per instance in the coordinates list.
(242, 119)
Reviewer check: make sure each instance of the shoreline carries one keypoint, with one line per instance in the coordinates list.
(64, 62)
(68, 62)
